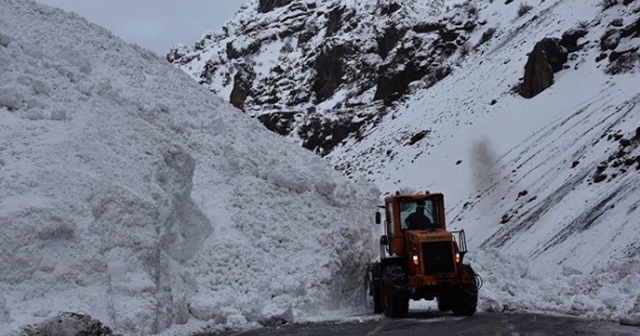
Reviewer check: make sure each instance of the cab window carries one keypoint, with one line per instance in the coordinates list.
(408, 207)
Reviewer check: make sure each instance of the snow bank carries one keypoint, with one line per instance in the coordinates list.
(130, 193)
(511, 283)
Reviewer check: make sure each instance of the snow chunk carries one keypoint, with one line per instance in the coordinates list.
(5, 39)
(11, 97)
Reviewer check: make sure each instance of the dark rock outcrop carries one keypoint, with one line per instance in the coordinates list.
(548, 57)
(329, 69)
(333, 23)
(390, 8)
(322, 135)
(266, 6)
(393, 84)
(241, 87)
(388, 40)
(610, 39)
(278, 122)
(632, 30)
(570, 39)
(427, 27)
(621, 60)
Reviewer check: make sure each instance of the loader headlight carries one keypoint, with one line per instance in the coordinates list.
(457, 258)
(416, 262)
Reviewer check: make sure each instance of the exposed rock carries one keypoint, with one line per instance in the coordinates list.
(278, 122)
(616, 23)
(427, 27)
(265, 6)
(623, 61)
(233, 52)
(68, 324)
(418, 136)
(333, 24)
(599, 178)
(448, 35)
(322, 135)
(241, 87)
(390, 8)
(625, 142)
(436, 74)
(547, 58)
(394, 83)
(632, 30)
(388, 40)
(570, 38)
(404, 68)
(329, 70)
(610, 39)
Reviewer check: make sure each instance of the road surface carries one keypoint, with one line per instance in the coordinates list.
(435, 323)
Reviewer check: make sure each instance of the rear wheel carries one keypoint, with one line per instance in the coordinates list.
(374, 275)
(444, 303)
(377, 299)
(465, 296)
(394, 287)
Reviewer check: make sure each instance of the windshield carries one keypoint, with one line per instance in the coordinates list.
(420, 215)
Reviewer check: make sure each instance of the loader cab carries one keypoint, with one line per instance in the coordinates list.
(398, 210)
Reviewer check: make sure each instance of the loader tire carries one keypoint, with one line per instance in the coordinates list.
(444, 303)
(394, 287)
(377, 299)
(465, 298)
(374, 276)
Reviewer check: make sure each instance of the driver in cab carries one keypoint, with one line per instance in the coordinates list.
(418, 220)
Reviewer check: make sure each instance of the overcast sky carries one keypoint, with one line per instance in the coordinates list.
(154, 24)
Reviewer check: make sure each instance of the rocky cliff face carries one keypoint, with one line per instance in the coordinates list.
(323, 71)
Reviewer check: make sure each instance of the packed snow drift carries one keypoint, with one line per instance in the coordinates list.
(130, 193)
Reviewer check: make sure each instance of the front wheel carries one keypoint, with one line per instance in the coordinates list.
(394, 286)
(465, 296)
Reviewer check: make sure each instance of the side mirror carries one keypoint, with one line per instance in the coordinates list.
(378, 218)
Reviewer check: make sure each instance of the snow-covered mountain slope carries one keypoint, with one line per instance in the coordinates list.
(321, 71)
(546, 187)
(131, 193)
